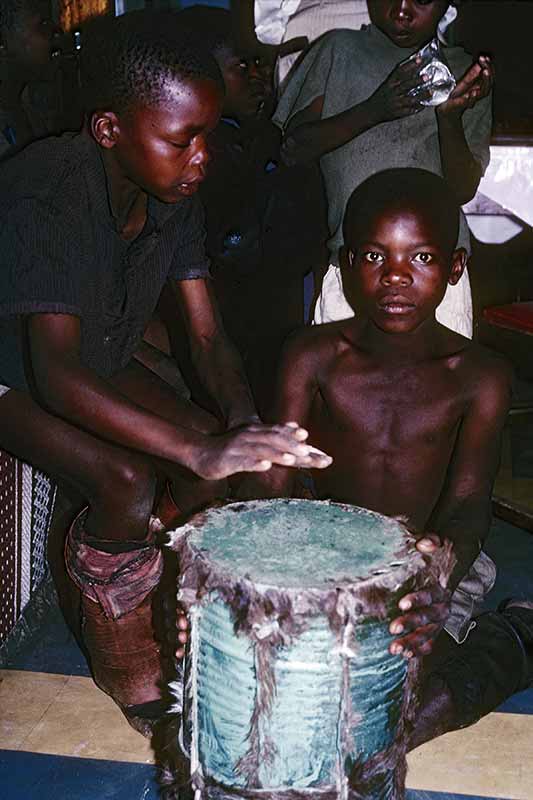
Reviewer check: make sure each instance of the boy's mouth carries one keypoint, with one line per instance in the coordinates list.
(396, 305)
(402, 37)
(189, 187)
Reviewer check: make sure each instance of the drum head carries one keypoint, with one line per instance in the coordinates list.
(299, 544)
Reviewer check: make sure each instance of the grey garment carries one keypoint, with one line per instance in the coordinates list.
(346, 67)
(469, 596)
(3, 390)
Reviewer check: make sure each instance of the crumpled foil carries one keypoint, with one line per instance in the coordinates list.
(440, 81)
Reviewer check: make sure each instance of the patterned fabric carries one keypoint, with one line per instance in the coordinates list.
(26, 505)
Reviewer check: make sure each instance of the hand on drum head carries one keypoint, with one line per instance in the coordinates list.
(427, 612)
(255, 448)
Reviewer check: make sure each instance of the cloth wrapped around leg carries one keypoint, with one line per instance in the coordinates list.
(117, 594)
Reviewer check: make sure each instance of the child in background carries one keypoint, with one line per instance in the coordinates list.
(412, 414)
(350, 104)
(29, 100)
(266, 223)
(91, 228)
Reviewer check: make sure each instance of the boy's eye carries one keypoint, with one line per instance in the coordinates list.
(181, 145)
(423, 258)
(372, 256)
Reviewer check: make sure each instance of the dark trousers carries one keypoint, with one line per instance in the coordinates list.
(495, 662)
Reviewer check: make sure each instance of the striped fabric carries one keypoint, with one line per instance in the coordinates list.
(26, 505)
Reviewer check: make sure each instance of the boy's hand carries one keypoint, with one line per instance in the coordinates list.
(254, 448)
(475, 84)
(427, 612)
(392, 100)
(183, 631)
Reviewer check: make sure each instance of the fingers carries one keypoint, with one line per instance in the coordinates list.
(425, 597)
(432, 614)
(475, 84)
(417, 600)
(418, 643)
(280, 444)
(255, 448)
(428, 544)
(183, 631)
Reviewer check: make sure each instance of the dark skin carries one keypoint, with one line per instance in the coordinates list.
(111, 438)
(27, 52)
(409, 24)
(411, 412)
(248, 80)
(238, 156)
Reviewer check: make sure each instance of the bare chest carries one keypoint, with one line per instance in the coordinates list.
(392, 409)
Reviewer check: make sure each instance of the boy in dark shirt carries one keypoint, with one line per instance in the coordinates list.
(412, 414)
(91, 227)
(266, 223)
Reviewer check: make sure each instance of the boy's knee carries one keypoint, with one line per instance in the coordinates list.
(130, 481)
(486, 670)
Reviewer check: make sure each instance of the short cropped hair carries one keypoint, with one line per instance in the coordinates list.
(396, 188)
(130, 60)
(211, 27)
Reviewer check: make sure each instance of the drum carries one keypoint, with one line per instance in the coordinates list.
(289, 687)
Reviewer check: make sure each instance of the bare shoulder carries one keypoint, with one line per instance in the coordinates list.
(315, 340)
(489, 375)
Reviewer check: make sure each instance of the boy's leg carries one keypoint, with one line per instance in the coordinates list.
(110, 542)
(139, 384)
(462, 683)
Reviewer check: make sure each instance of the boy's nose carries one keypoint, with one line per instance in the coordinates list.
(201, 155)
(396, 275)
(402, 9)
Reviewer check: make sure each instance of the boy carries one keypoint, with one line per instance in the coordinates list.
(266, 223)
(412, 414)
(28, 109)
(349, 103)
(92, 226)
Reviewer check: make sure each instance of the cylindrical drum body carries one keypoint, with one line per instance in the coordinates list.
(290, 688)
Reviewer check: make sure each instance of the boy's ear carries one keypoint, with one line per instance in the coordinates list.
(459, 262)
(346, 257)
(105, 128)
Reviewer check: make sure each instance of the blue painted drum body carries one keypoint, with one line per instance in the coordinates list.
(290, 683)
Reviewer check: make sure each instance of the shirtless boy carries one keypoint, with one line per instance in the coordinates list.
(412, 414)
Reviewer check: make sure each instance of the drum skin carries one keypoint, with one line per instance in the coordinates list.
(290, 687)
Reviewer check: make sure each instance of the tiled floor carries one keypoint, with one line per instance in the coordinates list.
(60, 737)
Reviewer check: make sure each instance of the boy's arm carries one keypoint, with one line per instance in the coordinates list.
(308, 137)
(215, 357)
(296, 388)
(77, 394)
(460, 167)
(463, 512)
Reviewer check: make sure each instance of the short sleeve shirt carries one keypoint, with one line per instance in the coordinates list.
(346, 68)
(60, 252)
